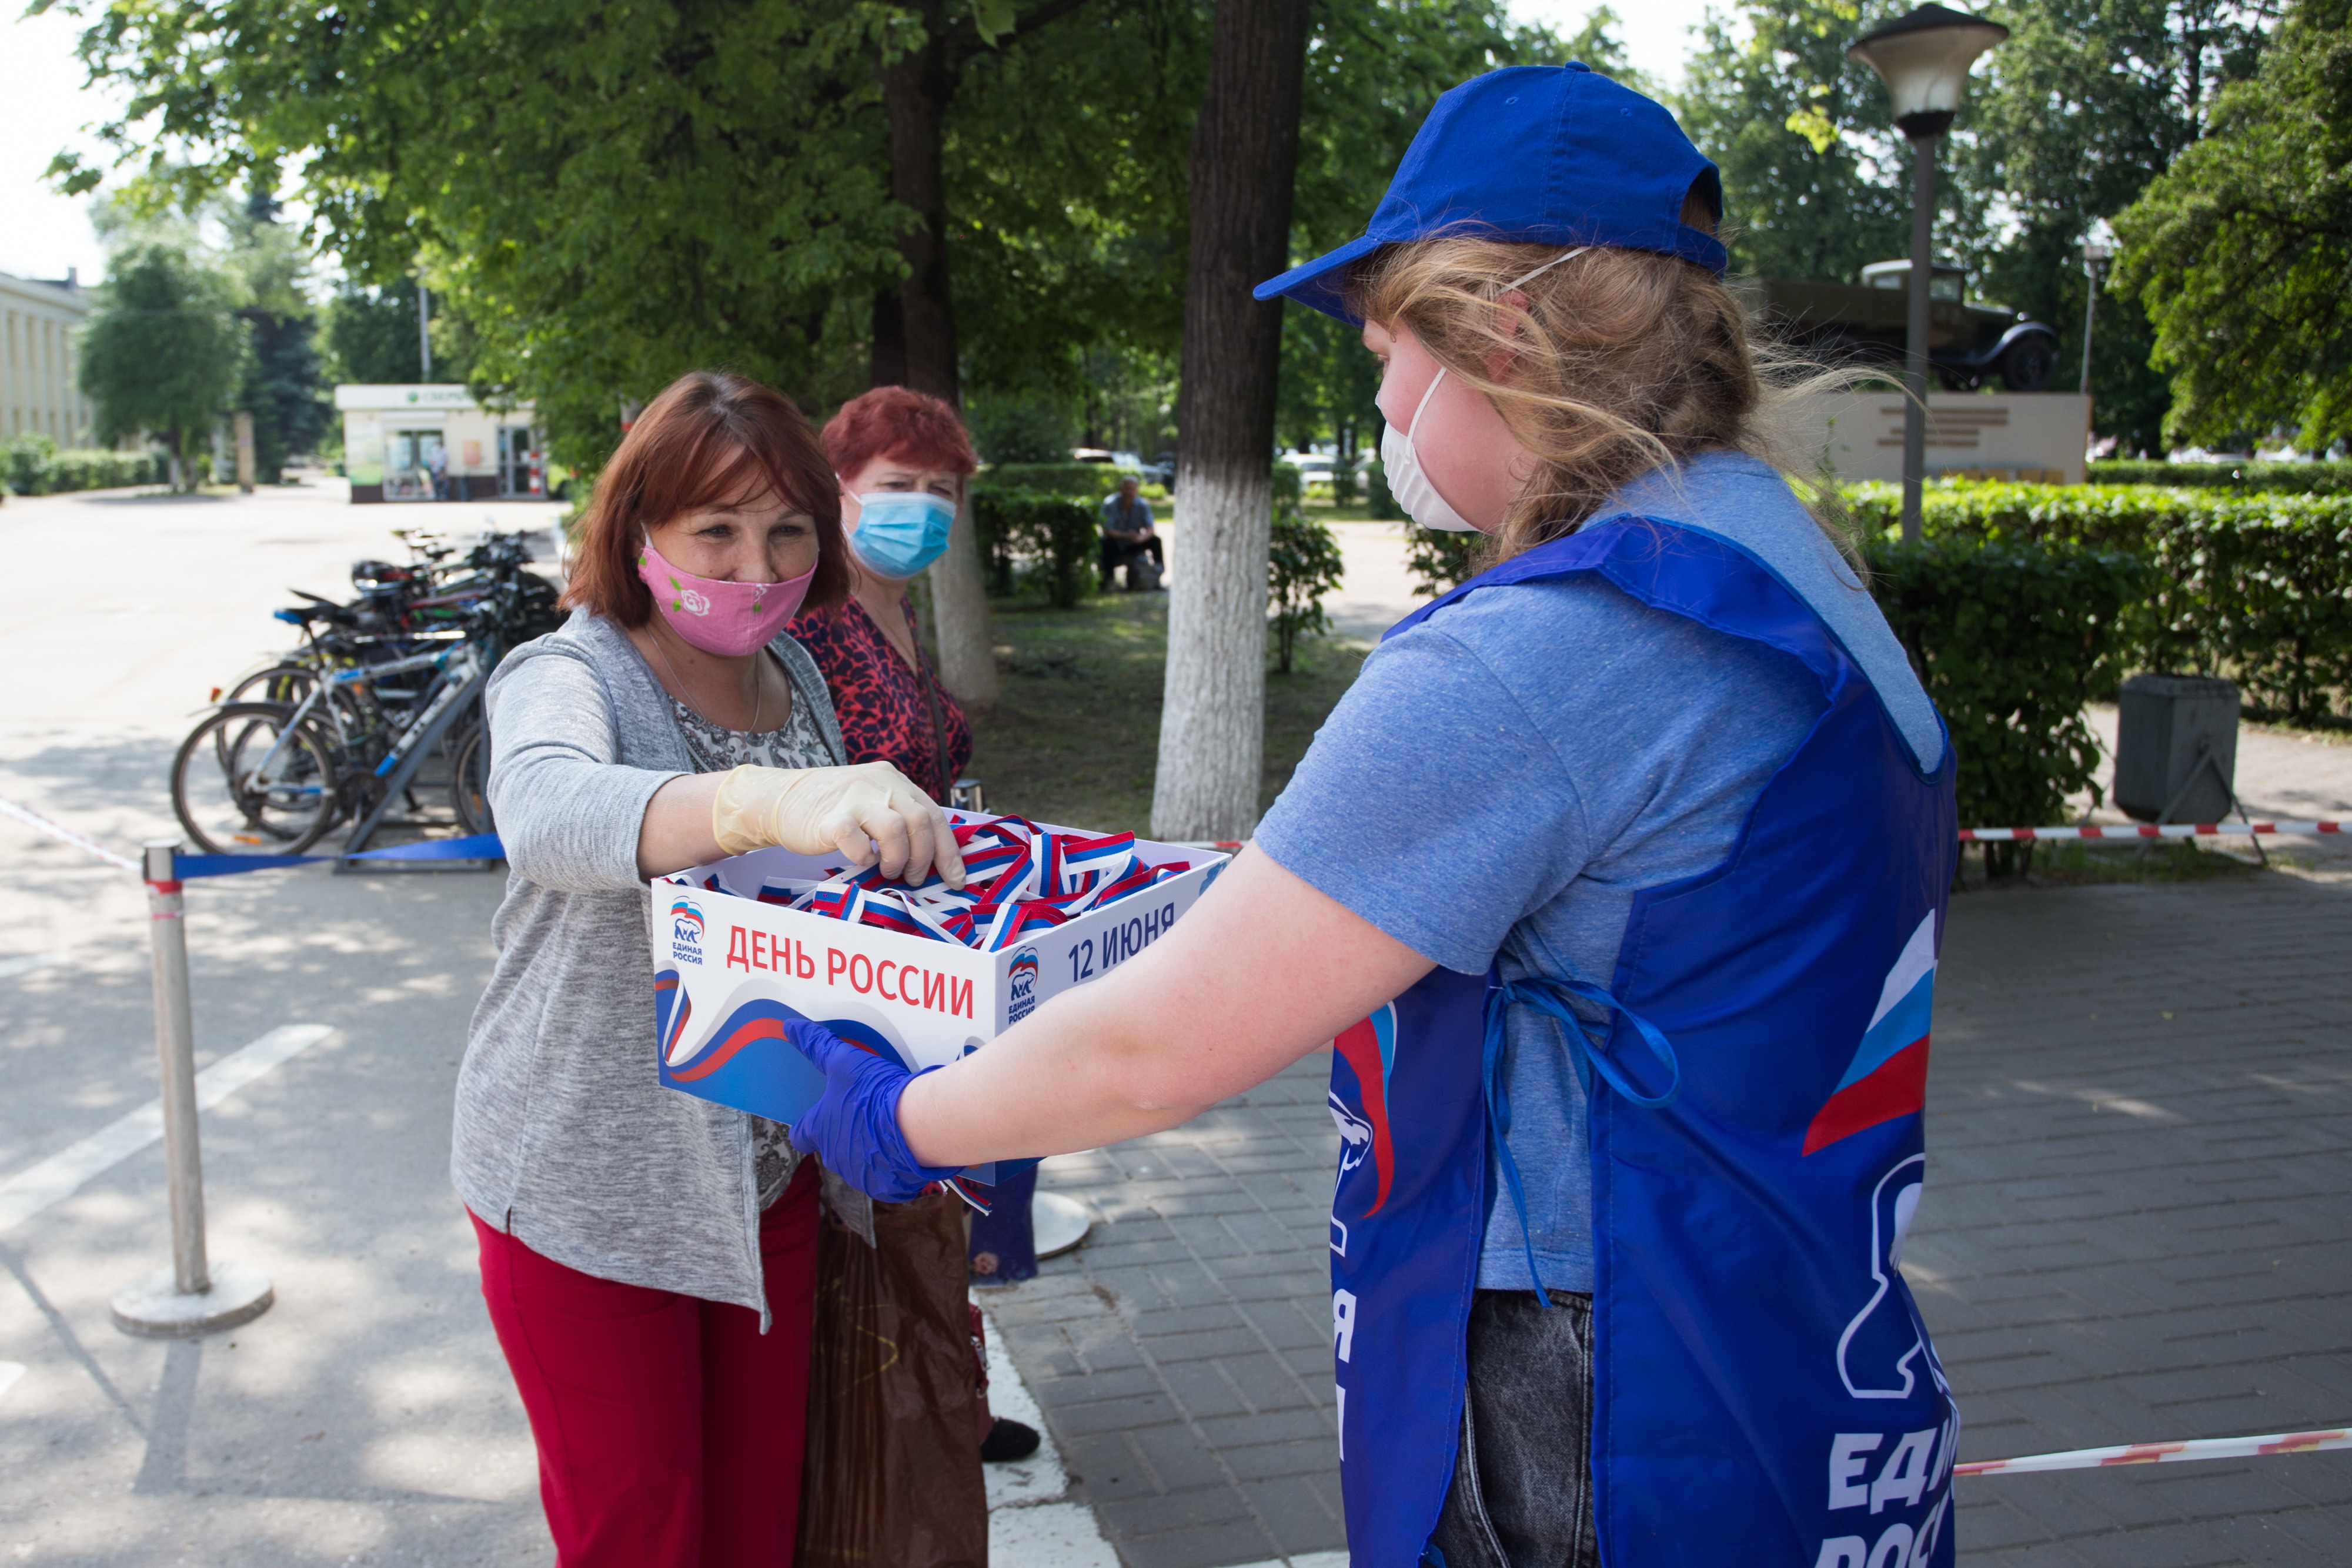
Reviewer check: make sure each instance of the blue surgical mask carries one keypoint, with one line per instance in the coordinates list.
(899, 532)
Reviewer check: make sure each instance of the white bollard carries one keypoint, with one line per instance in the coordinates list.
(190, 1297)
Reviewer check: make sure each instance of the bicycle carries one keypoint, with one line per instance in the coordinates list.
(323, 734)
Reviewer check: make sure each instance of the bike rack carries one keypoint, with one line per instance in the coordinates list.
(395, 785)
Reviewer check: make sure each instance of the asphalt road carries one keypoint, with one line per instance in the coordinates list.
(367, 1417)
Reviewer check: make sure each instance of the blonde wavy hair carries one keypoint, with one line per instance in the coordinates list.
(1621, 361)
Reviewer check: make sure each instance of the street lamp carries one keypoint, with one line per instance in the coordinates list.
(1924, 59)
(2097, 248)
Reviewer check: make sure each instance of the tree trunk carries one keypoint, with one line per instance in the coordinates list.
(1244, 153)
(914, 337)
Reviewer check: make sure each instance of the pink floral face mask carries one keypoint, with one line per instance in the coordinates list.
(730, 618)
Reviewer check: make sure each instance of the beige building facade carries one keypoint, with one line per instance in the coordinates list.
(41, 331)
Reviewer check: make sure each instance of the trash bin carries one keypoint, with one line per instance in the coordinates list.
(2176, 747)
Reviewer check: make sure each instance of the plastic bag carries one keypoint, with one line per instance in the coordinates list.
(892, 1476)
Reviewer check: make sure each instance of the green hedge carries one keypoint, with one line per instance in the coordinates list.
(2012, 639)
(2256, 587)
(1051, 541)
(32, 464)
(1096, 479)
(2287, 478)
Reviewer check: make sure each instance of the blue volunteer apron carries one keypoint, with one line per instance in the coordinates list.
(1764, 1388)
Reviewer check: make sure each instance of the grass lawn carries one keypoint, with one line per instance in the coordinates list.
(1075, 737)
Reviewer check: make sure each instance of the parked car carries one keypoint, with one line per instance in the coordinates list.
(1968, 344)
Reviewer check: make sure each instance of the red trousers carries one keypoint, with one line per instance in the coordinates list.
(670, 1430)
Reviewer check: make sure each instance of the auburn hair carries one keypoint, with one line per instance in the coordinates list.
(711, 439)
(916, 428)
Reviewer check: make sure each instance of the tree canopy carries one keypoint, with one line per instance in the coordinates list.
(163, 352)
(2064, 125)
(2087, 102)
(2242, 250)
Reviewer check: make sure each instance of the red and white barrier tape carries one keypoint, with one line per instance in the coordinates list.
(2009, 835)
(2164, 1453)
(39, 823)
(2147, 830)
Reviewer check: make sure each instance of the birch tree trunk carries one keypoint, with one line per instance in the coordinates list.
(1245, 155)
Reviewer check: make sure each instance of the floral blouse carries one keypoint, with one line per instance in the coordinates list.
(881, 703)
(715, 748)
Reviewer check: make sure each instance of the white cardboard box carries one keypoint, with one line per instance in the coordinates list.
(730, 970)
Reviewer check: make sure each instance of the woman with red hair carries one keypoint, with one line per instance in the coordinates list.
(903, 458)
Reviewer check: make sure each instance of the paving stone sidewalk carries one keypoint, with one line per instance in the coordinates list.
(2136, 1228)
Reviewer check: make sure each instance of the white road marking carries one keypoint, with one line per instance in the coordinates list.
(9, 1372)
(60, 1175)
(1027, 1524)
(1049, 1535)
(12, 967)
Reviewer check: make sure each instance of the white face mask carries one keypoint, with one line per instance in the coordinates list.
(1402, 464)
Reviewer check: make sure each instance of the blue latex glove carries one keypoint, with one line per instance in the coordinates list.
(854, 1126)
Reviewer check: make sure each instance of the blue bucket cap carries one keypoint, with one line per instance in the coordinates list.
(1533, 154)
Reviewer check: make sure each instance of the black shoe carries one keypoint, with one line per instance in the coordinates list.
(1007, 1441)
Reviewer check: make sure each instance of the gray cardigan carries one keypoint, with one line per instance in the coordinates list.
(565, 1137)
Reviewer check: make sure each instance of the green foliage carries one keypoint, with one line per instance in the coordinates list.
(163, 353)
(1374, 67)
(610, 194)
(2012, 639)
(32, 464)
(2285, 478)
(2257, 586)
(2086, 102)
(1442, 559)
(1327, 384)
(1378, 499)
(1028, 426)
(371, 335)
(1065, 171)
(2064, 125)
(1050, 541)
(1302, 565)
(285, 385)
(1051, 478)
(1815, 178)
(25, 460)
(2240, 250)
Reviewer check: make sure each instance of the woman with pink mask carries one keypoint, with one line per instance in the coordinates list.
(649, 1258)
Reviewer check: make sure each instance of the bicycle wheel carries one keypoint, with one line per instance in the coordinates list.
(247, 782)
(469, 780)
(283, 685)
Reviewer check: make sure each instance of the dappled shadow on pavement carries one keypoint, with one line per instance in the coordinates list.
(2135, 1226)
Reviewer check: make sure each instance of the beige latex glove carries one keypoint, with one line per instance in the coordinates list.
(866, 813)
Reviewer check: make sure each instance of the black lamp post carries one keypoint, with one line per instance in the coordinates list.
(1924, 59)
(2095, 252)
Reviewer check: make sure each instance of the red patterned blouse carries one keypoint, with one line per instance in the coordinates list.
(888, 713)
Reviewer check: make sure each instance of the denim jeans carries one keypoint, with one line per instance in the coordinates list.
(1522, 1492)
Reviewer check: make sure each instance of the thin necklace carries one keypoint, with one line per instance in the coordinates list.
(756, 694)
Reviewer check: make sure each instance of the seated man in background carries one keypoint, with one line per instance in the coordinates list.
(1126, 533)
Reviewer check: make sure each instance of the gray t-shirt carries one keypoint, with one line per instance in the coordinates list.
(1503, 780)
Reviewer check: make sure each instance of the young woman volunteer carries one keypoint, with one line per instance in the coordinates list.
(1617, 875)
(649, 1258)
